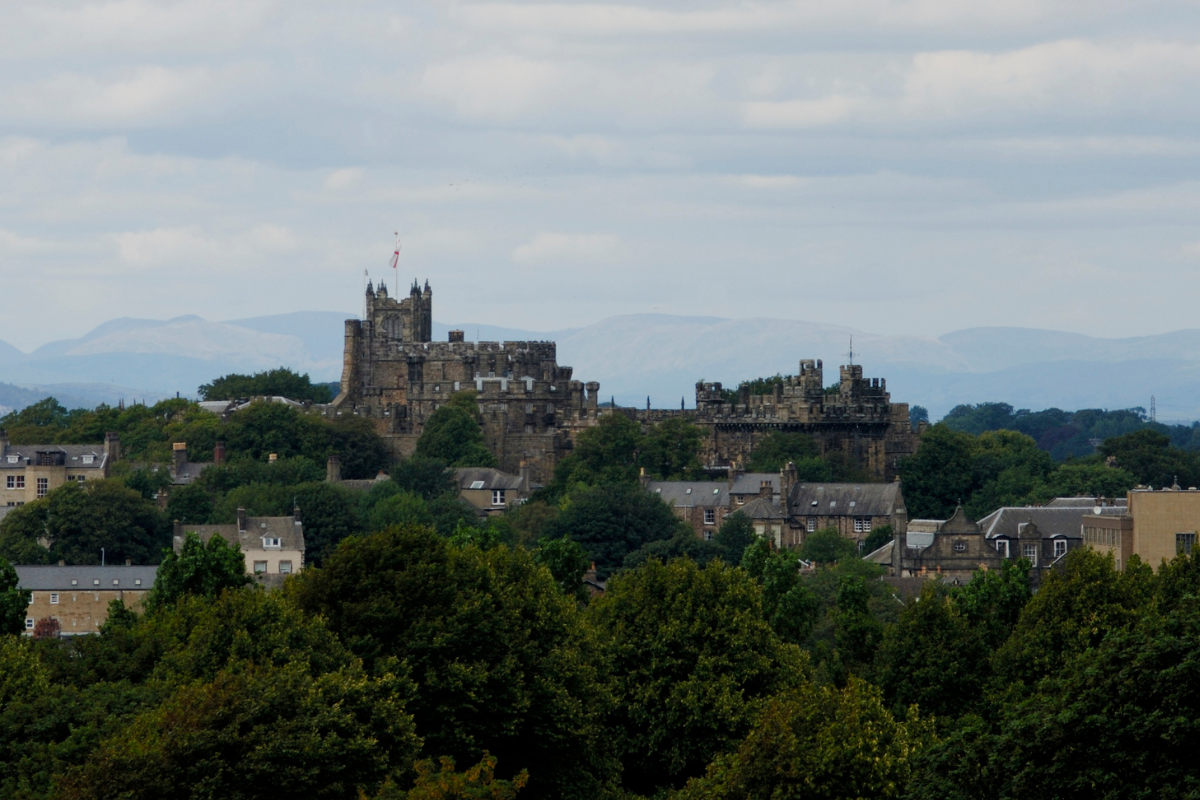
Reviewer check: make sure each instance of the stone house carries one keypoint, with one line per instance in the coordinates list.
(767, 518)
(703, 505)
(489, 490)
(273, 546)
(30, 471)
(852, 509)
(950, 549)
(78, 597)
(746, 486)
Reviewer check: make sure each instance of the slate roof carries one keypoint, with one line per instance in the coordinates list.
(883, 555)
(27, 454)
(1051, 521)
(57, 578)
(691, 494)
(845, 499)
(762, 508)
(1081, 502)
(492, 478)
(188, 471)
(751, 483)
(286, 529)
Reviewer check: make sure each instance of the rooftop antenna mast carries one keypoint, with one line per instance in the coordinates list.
(852, 351)
(1153, 410)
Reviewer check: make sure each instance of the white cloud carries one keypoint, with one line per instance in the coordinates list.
(341, 179)
(797, 113)
(568, 249)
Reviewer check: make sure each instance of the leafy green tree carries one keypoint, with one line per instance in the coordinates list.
(399, 509)
(1088, 480)
(683, 544)
(613, 520)
(264, 428)
(257, 733)
(501, 657)
(858, 629)
(329, 516)
(776, 449)
(878, 537)
(198, 569)
(191, 504)
(818, 743)
(281, 382)
(424, 477)
(827, 546)
(450, 512)
(734, 536)
(1073, 610)
(671, 450)
(453, 434)
(77, 521)
(789, 606)
(442, 782)
(567, 561)
(605, 453)
(362, 451)
(13, 601)
(939, 475)
(994, 599)
(692, 664)
(1149, 457)
(934, 658)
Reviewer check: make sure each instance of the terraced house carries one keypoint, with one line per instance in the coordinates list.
(30, 471)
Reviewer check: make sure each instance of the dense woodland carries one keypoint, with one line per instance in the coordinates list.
(424, 654)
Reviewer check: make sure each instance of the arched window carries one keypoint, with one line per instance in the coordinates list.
(391, 326)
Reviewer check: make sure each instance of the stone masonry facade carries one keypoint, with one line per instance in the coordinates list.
(533, 408)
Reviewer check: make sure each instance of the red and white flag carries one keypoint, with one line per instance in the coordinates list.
(396, 255)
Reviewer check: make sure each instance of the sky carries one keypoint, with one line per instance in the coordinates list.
(910, 167)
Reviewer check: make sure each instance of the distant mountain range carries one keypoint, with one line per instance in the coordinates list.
(642, 355)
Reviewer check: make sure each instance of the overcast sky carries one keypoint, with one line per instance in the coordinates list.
(900, 167)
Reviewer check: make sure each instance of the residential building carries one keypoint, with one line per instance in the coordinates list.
(852, 509)
(78, 597)
(767, 518)
(490, 490)
(746, 486)
(701, 504)
(1057, 524)
(30, 471)
(950, 549)
(273, 546)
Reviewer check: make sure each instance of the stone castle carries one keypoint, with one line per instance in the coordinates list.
(394, 374)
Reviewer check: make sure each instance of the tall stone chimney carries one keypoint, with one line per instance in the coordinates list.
(112, 447)
(178, 458)
(333, 469)
(219, 454)
(3, 441)
(241, 517)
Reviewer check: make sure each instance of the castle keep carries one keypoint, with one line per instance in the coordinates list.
(394, 374)
(532, 408)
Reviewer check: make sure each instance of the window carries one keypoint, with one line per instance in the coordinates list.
(54, 598)
(741, 501)
(1060, 548)
(96, 582)
(13, 459)
(80, 479)
(708, 535)
(43, 486)
(862, 524)
(1030, 552)
(497, 497)
(1002, 547)
(477, 484)
(89, 458)
(1184, 543)
(285, 568)
(260, 567)
(116, 582)
(960, 547)
(137, 581)
(29, 623)
(15, 482)
(710, 516)
(812, 524)
(74, 582)
(272, 542)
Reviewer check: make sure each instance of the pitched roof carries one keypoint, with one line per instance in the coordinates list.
(691, 494)
(74, 455)
(289, 532)
(751, 483)
(846, 499)
(881, 556)
(58, 578)
(1051, 521)
(1083, 502)
(486, 478)
(762, 508)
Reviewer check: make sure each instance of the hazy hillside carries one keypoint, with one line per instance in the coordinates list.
(649, 354)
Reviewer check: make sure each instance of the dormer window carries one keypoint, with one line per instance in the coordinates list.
(13, 459)
(271, 542)
(89, 458)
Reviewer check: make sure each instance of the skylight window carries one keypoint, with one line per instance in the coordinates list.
(477, 484)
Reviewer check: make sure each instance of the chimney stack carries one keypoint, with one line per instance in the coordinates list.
(3, 441)
(333, 470)
(219, 454)
(178, 457)
(112, 447)
(241, 517)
